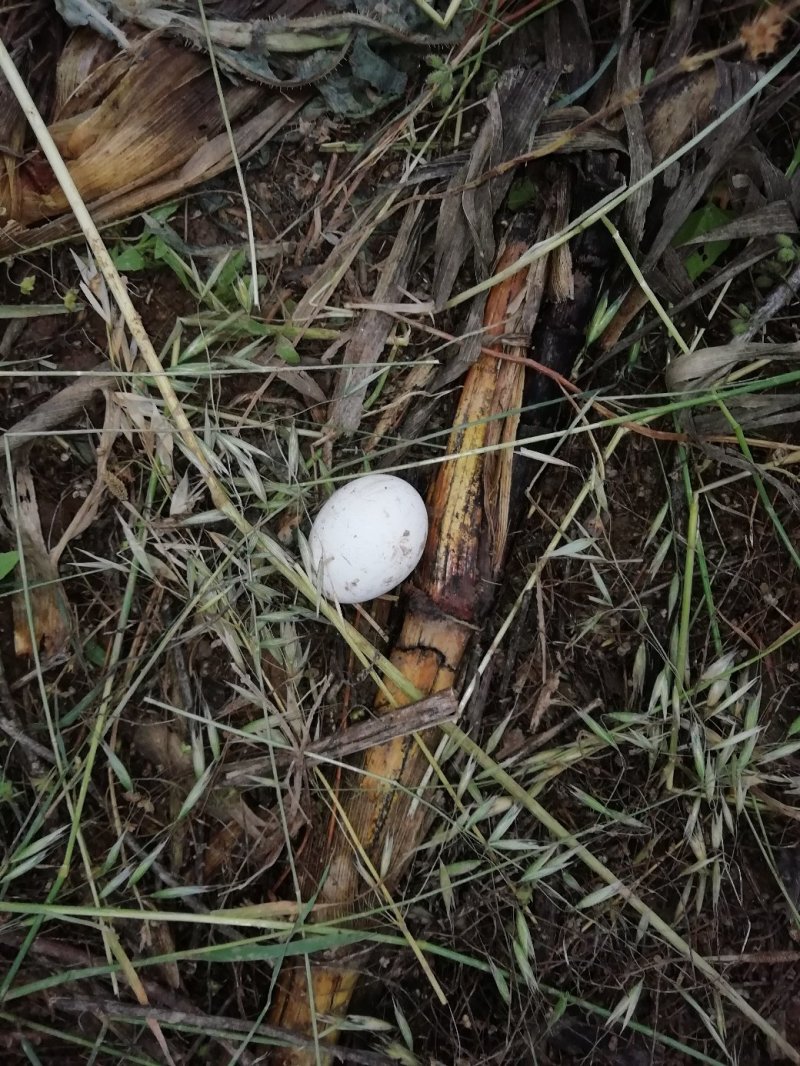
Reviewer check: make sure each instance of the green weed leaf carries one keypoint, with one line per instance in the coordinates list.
(8, 560)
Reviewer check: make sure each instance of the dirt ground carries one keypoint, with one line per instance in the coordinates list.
(575, 703)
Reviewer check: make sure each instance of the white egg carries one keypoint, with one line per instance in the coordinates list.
(368, 538)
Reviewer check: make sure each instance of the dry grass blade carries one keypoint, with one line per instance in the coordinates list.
(186, 1015)
(708, 368)
(329, 275)
(629, 75)
(730, 85)
(670, 119)
(414, 718)
(776, 217)
(700, 369)
(58, 408)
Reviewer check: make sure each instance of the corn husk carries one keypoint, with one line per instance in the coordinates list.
(135, 127)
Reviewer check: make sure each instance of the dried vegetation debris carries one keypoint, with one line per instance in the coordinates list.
(610, 581)
(138, 115)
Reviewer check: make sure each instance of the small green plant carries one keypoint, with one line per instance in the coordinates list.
(741, 321)
(522, 193)
(8, 561)
(771, 272)
(440, 79)
(705, 219)
(788, 252)
(149, 249)
(225, 289)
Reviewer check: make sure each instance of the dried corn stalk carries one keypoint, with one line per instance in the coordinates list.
(468, 505)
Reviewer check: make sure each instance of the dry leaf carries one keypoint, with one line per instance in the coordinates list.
(762, 36)
(515, 108)
(135, 127)
(364, 349)
(49, 612)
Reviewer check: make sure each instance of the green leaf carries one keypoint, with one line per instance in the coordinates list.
(161, 214)
(31, 310)
(446, 886)
(37, 846)
(522, 192)
(440, 79)
(129, 259)
(228, 274)
(287, 351)
(27, 285)
(403, 1026)
(179, 891)
(146, 863)
(196, 791)
(119, 768)
(8, 560)
(501, 982)
(701, 221)
(95, 653)
(600, 895)
(163, 253)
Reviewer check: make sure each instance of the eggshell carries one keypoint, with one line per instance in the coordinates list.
(368, 538)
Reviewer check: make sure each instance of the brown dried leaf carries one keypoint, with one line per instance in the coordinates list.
(147, 125)
(732, 82)
(371, 330)
(264, 838)
(104, 480)
(708, 366)
(50, 611)
(629, 81)
(754, 414)
(683, 18)
(515, 108)
(162, 746)
(161, 942)
(414, 388)
(85, 72)
(686, 106)
(705, 367)
(560, 279)
(141, 127)
(51, 620)
(50, 615)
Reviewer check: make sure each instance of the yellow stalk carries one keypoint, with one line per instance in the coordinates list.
(380, 824)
